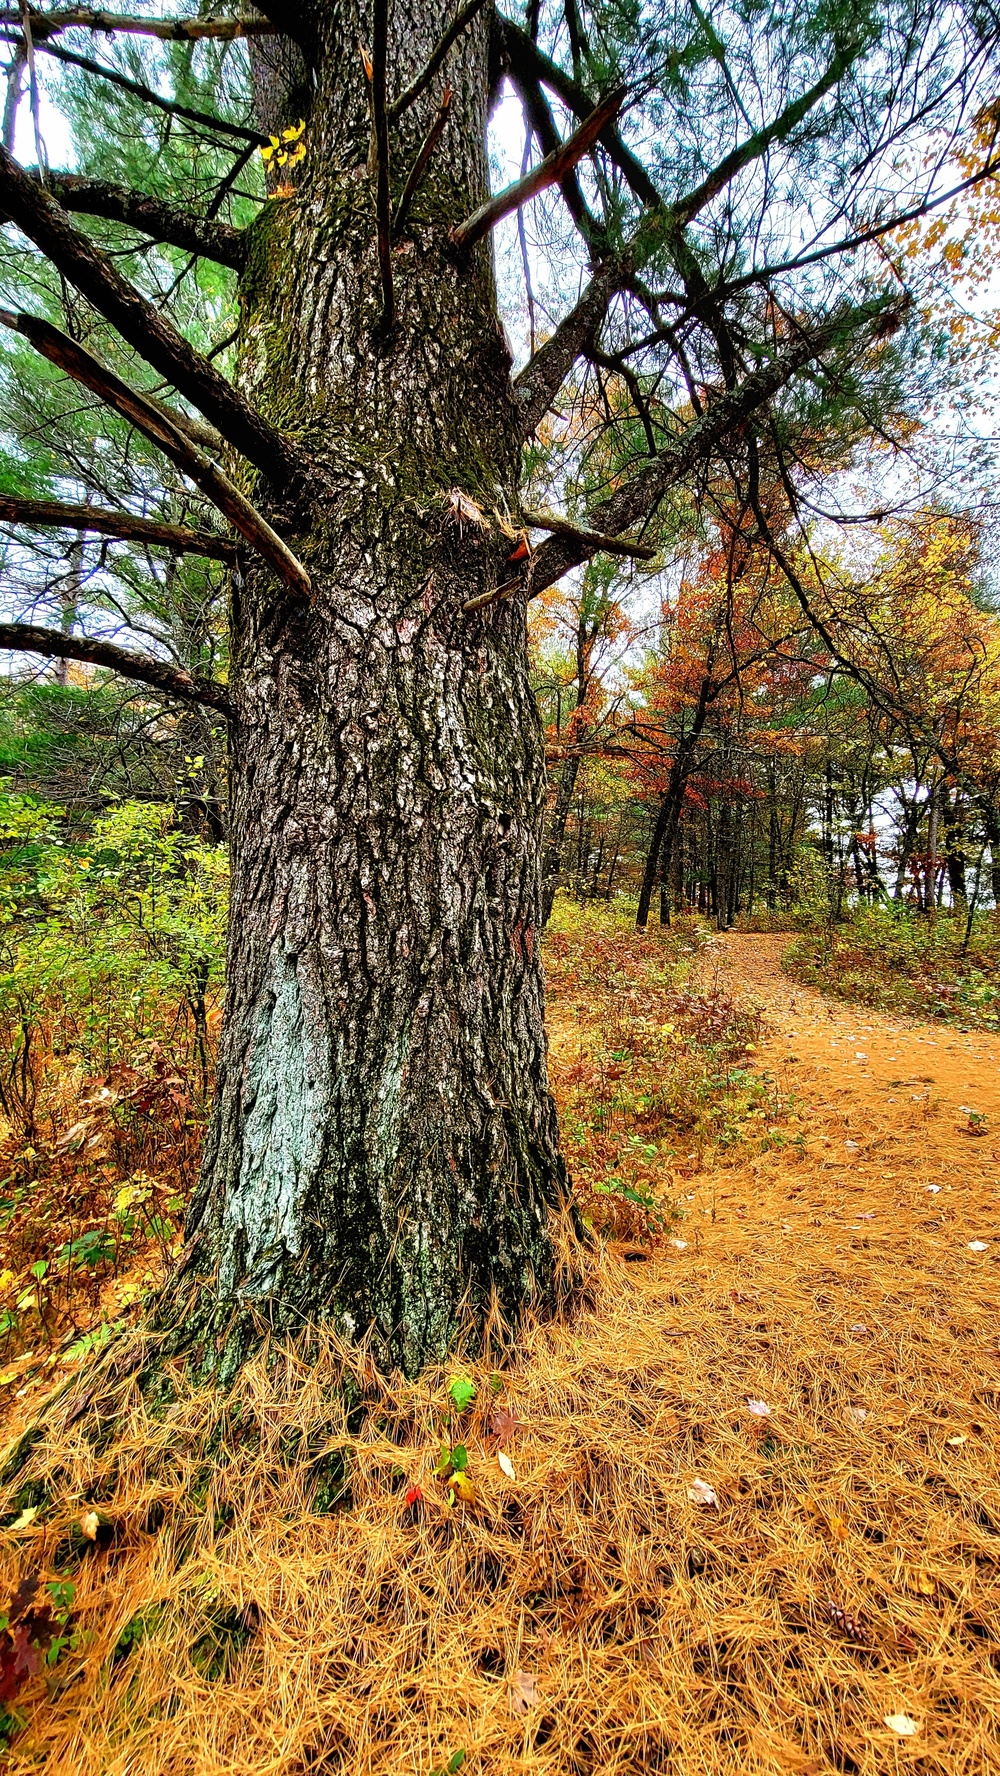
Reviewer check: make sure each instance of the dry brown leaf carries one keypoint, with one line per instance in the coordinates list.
(700, 1493)
(522, 1693)
(506, 1465)
(504, 1423)
(462, 1488)
(90, 1523)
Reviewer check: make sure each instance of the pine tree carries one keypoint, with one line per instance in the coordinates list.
(269, 267)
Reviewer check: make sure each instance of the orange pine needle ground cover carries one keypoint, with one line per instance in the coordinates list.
(587, 1615)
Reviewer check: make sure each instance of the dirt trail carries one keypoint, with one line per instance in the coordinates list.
(882, 1099)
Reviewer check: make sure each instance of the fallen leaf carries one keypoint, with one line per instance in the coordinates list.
(679, 1245)
(852, 1146)
(522, 1693)
(836, 1526)
(923, 1585)
(700, 1493)
(461, 1487)
(506, 1465)
(933, 1189)
(861, 1330)
(90, 1523)
(758, 1408)
(504, 1423)
(859, 1413)
(27, 1516)
(414, 1496)
(903, 1724)
(979, 1246)
(957, 1441)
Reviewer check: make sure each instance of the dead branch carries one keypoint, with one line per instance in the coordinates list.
(149, 333)
(125, 526)
(45, 24)
(550, 171)
(153, 423)
(418, 168)
(422, 81)
(595, 540)
(55, 645)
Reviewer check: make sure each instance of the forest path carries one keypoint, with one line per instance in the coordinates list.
(900, 1089)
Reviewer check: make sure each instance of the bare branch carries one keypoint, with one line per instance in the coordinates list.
(550, 171)
(150, 215)
(148, 94)
(595, 540)
(418, 168)
(54, 645)
(152, 421)
(422, 81)
(686, 208)
(526, 56)
(380, 150)
(44, 24)
(55, 515)
(147, 331)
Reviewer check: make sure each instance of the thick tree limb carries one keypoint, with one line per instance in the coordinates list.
(537, 385)
(147, 331)
(162, 221)
(54, 645)
(419, 166)
(686, 208)
(527, 58)
(550, 171)
(148, 94)
(542, 124)
(638, 499)
(422, 81)
(153, 423)
(44, 24)
(125, 526)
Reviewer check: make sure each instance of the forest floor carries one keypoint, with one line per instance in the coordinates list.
(749, 1520)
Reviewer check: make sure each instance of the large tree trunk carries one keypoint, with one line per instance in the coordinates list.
(383, 1151)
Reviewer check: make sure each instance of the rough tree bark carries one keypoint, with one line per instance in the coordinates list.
(383, 1151)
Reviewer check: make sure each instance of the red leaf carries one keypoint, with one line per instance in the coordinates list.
(414, 1496)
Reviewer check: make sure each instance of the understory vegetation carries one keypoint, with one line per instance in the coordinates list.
(896, 961)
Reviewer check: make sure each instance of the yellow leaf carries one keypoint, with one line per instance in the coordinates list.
(836, 1526)
(462, 1488)
(6, 1278)
(293, 134)
(956, 1442)
(924, 1585)
(27, 1516)
(90, 1523)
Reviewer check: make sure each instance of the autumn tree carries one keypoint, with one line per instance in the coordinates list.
(280, 294)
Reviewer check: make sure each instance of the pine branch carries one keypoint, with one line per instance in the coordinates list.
(147, 331)
(54, 645)
(422, 81)
(537, 385)
(686, 208)
(721, 422)
(45, 24)
(380, 150)
(125, 526)
(550, 171)
(147, 94)
(161, 221)
(419, 166)
(152, 422)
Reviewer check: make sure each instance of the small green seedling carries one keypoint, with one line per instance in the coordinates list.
(452, 1767)
(461, 1391)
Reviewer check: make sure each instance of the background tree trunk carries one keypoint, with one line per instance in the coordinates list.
(383, 1151)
